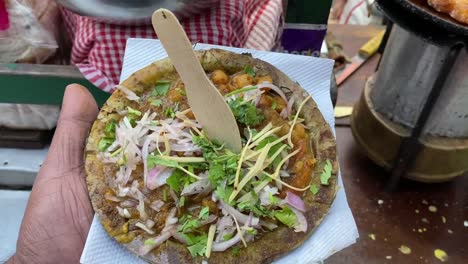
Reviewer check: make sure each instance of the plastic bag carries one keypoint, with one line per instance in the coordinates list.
(22, 37)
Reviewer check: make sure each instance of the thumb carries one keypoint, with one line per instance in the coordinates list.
(79, 110)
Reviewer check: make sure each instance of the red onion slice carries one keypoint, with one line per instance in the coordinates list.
(157, 177)
(301, 225)
(295, 201)
(156, 241)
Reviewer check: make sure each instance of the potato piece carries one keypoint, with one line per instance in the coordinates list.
(242, 80)
(224, 89)
(219, 77)
(176, 94)
(263, 79)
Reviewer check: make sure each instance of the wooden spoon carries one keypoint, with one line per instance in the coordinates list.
(207, 103)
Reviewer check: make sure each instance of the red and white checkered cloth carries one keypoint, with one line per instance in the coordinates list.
(98, 48)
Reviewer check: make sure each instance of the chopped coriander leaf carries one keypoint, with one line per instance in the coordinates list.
(182, 201)
(243, 90)
(105, 143)
(161, 88)
(274, 105)
(224, 193)
(204, 213)
(245, 112)
(314, 189)
(197, 244)
(286, 216)
(273, 199)
(132, 121)
(251, 231)
(156, 102)
(169, 112)
(249, 71)
(175, 180)
(110, 128)
(149, 242)
(326, 173)
(189, 225)
(228, 236)
(216, 174)
(132, 111)
(235, 251)
(154, 160)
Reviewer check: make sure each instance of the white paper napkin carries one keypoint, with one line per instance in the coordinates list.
(337, 231)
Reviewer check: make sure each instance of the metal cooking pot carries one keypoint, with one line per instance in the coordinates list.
(133, 11)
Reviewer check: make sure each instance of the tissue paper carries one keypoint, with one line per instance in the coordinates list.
(337, 231)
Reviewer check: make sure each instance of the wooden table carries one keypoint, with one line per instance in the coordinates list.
(386, 221)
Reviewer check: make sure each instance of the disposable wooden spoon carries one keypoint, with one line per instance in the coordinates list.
(207, 103)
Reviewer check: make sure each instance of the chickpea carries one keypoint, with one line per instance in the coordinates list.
(298, 133)
(265, 100)
(175, 95)
(280, 104)
(263, 79)
(219, 77)
(242, 80)
(224, 89)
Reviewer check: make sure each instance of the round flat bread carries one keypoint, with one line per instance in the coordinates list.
(264, 248)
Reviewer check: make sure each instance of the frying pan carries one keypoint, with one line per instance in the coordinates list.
(423, 20)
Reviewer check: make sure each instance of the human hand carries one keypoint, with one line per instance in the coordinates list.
(59, 212)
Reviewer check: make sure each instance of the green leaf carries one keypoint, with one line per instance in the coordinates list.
(228, 236)
(161, 88)
(182, 201)
(132, 111)
(198, 247)
(109, 131)
(154, 160)
(216, 174)
(189, 225)
(326, 173)
(224, 193)
(156, 102)
(274, 105)
(204, 213)
(286, 216)
(235, 251)
(251, 231)
(314, 189)
(105, 143)
(243, 90)
(249, 71)
(169, 112)
(175, 180)
(273, 199)
(246, 112)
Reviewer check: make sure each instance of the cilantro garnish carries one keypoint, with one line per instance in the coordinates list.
(314, 189)
(326, 173)
(189, 225)
(197, 244)
(156, 102)
(235, 251)
(109, 136)
(228, 236)
(154, 160)
(245, 112)
(224, 193)
(132, 111)
(249, 71)
(274, 105)
(204, 213)
(286, 216)
(273, 199)
(161, 88)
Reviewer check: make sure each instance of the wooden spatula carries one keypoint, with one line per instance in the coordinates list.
(207, 103)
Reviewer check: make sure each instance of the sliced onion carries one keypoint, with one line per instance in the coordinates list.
(128, 204)
(295, 201)
(130, 94)
(222, 246)
(268, 225)
(123, 191)
(150, 223)
(301, 225)
(112, 198)
(179, 237)
(123, 212)
(290, 105)
(197, 187)
(158, 176)
(157, 205)
(242, 218)
(171, 219)
(209, 220)
(144, 228)
(174, 196)
(156, 241)
(184, 147)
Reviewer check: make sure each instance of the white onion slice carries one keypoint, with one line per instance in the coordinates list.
(242, 218)
(222, 246)
(209, 220)
(130, 94)
(157, 205)
(124, 212)
(156, 241)
(157, 176)
(301, 225)
(197, 187)
(144, 228)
